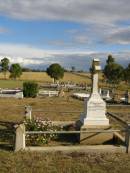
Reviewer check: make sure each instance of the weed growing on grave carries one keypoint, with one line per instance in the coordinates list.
(41, 125)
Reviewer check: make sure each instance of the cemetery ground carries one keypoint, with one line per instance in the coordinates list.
(38, 162)
(35, 162)
(56, 109)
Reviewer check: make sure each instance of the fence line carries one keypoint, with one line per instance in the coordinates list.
(56, 111)
(120, 120)
(108, 105)
(74, 132)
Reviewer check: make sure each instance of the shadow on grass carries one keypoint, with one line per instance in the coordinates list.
(68, 139)
(6, 147)
(7, 138)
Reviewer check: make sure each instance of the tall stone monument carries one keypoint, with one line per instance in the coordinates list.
(95, 107)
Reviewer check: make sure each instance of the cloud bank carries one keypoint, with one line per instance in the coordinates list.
(108, 21)
(40, 59)
(103, 23)
(96, 11)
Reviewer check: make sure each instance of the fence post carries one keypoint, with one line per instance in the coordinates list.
(20, 137)
(28, 112)
(127, 138)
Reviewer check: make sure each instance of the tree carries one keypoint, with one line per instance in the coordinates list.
(127, 74)
(73, 68)
(15, 71)
(55, 71)
(113, 71)
(30, 89)
(5, 66)
(110, 60)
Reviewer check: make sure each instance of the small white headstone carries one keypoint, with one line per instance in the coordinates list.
(28, 112)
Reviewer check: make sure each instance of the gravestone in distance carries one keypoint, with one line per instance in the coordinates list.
(127, 97)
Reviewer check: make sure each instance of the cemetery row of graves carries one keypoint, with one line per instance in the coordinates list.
(59, 90)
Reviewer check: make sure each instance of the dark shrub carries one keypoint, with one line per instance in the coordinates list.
(30, 89)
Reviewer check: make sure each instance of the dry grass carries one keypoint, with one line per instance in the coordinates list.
(34, 162)
(43, 77)
(13, 109)
(40, 77)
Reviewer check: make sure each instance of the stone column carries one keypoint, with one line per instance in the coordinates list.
(95, 84)
(100, 91)
(28, 112)
(20, 137)
(108, 94)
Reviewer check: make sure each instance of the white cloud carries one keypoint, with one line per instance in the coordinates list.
(22, 50)
(26, 55)
(81, 39)
(38, 58)
(95, 11)
(120, 36)
(102, 17)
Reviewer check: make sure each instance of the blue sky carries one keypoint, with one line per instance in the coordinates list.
(70, 32)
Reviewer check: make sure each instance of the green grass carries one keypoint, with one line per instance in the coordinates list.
(10, 84)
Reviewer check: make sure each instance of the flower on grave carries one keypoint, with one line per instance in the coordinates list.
(41, 125)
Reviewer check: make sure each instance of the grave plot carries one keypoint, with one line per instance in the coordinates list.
(11, 93)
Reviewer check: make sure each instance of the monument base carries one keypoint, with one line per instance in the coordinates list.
(94, 121)
(93, 138)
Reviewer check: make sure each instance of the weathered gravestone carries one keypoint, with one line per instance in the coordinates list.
(20, 137)
(127, 97)
(94, 115)
(28, 112)
(105, 94)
